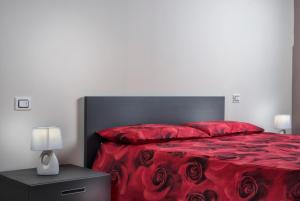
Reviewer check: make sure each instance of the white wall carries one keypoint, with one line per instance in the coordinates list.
(58, 51)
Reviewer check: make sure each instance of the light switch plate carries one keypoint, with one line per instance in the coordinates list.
(22, 103)
(236, 98)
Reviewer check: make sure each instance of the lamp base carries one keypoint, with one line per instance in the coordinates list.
(282, 131)
(48, 164)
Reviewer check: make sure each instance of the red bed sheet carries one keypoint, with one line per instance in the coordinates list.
(256, 167)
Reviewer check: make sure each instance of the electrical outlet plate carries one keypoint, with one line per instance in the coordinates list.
(236, 98)
(22, 103)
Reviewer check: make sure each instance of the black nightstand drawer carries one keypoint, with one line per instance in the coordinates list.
(85, 190)
(72, 184)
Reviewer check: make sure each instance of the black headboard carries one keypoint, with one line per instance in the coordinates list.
(106, 112)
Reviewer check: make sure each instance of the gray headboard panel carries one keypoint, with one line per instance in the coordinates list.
(106, 112)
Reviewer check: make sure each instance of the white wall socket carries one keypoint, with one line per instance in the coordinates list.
(22, 103)
(236, 98)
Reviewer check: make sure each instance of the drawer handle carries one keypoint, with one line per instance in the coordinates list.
(73, 191)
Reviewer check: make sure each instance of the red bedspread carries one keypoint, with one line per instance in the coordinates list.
(232, 168)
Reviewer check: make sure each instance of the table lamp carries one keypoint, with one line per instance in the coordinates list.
(283, 122)
(47, 139)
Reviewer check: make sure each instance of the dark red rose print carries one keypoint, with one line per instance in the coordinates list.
(195, 170)
(122, 138)
(293, 186)
(158, 181)
(251, 186)
(119, 176)
(294, 192)
(160, 178)
(195, 197)
(248, 187)
(145, 158)
(116, 174)
(208, 195)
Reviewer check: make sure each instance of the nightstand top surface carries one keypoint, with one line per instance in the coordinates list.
(67, 173)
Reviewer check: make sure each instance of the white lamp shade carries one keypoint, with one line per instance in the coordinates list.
(46, 138)
(283, 121)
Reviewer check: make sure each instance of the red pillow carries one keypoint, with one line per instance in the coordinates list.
(218, 128)
(150, 133)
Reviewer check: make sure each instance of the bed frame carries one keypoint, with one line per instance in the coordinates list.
(105, 112)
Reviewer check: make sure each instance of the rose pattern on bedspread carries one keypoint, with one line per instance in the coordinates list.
(256, 167)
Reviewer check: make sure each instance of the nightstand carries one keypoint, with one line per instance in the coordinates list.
(72, 184)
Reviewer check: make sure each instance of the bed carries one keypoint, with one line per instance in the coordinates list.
(252, 167)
